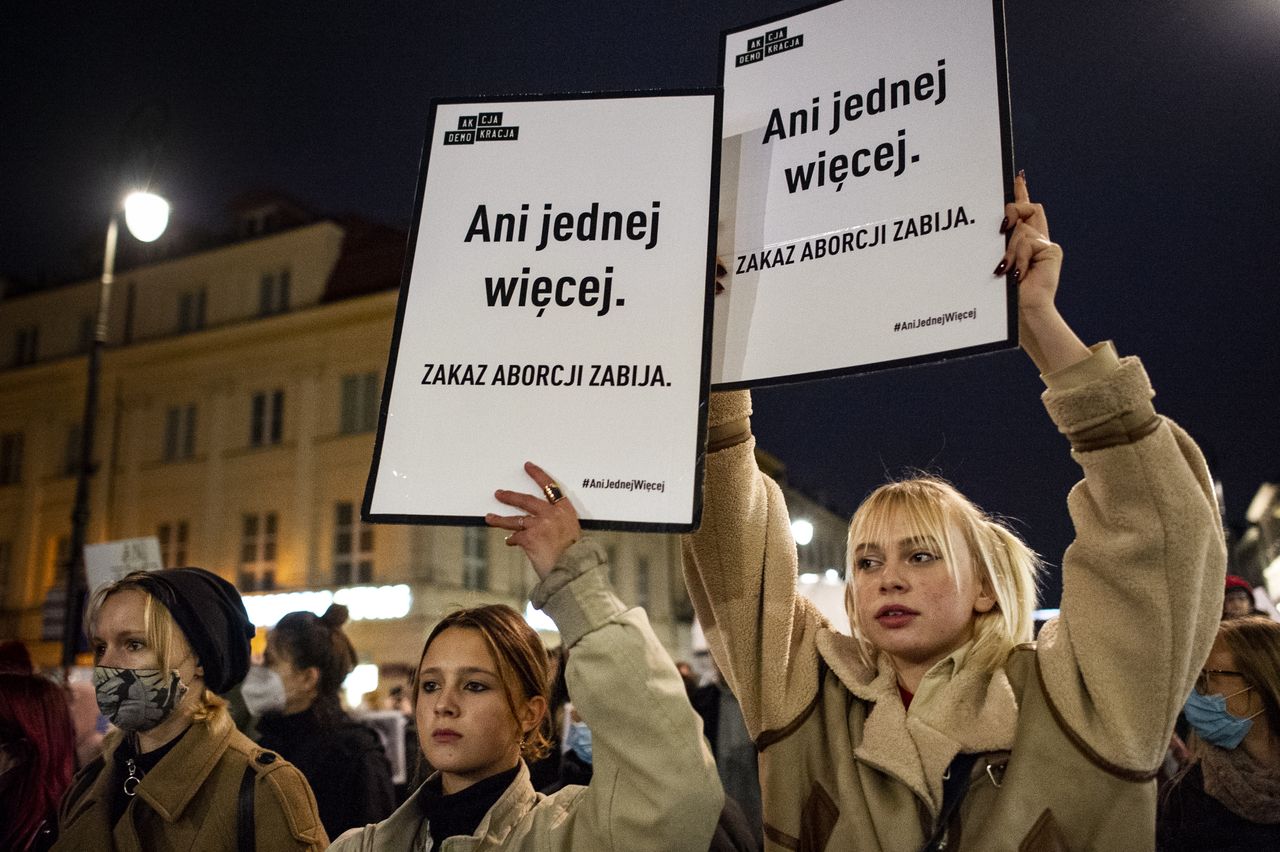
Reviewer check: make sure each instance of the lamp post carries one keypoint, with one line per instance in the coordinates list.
(146, 216)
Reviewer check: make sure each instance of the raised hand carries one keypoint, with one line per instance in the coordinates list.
(548, 525)
(1036, 264)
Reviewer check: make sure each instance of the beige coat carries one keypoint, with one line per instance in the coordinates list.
(654, 787)
(1070, 732)
(189, 800)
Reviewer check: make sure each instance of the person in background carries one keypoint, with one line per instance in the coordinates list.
(481, 699)
(1228, 797)
(37, 757)
(1238, 599)
(89, 723)
(735, 753)
(343, 760)
(176, 774)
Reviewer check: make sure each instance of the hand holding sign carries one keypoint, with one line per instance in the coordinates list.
(549, 525)
(1035, 264)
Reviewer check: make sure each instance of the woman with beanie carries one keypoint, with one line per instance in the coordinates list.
(177, 774)
(342, 759)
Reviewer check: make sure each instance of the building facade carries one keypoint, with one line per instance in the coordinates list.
(239, 400)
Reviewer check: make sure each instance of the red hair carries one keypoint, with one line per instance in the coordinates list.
(35, 724)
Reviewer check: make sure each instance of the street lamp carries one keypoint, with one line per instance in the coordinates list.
(802, 531)
(146, 216)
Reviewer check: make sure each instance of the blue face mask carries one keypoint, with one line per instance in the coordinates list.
(578, 739)
(1209, 716)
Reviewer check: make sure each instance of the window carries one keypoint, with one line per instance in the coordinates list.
(352, 546)
(130, 308)
(180, 432)
(475, 558)
(257, 551)
(173, 544)
(26, 345)
(10, 458)
(191, 310)
(359, 402)
(266, 421)
(273, 293)
(71, 457)
(85, 340)
(6, 563)
(61, 556)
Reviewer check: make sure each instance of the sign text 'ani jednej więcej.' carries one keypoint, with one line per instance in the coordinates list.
(527, 289)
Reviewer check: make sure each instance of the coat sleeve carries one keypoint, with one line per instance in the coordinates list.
(740, 567)
(1143, 579)
(654, 784)
(285, 813)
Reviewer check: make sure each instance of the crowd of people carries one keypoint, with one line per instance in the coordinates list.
(1147, 715)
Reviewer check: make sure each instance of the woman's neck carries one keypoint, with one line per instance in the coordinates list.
(1262, 744)
(299, 703)
(179, 720)
(451, 783)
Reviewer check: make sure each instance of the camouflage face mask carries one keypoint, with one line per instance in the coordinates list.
(137, 699)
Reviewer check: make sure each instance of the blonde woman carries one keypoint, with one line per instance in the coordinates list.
(176, 774)
(938, 723)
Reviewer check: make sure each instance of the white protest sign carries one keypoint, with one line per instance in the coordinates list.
(865, 166)
(110, 560)
(555, 309)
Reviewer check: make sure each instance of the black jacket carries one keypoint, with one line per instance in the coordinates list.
(1191, 819)
(342, 759)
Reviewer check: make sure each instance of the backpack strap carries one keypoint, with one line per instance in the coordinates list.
(245, 828)
(955, 783)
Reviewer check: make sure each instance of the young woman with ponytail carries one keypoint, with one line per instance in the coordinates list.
(342, 759)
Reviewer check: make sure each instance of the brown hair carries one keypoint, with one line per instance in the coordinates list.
(310, 641)
(163, 635)
(1255, 643)
(523, 667)
(930, 506)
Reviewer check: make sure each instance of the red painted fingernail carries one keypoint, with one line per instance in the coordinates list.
(1017, 276)
(1004, 223)
(1001, 268)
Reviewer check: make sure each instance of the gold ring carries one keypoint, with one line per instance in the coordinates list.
(553, 492)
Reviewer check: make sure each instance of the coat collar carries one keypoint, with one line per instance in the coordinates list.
(173, 783)
(974, 711)
(401, 829)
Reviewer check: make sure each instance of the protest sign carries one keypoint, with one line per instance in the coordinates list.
(555, 308)
(110, 560)
(866, 161)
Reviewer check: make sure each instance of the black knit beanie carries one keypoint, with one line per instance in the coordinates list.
(211, 615)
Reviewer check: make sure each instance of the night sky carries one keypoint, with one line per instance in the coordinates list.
(1149, 131)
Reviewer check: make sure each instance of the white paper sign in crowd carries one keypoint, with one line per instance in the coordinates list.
(555, 309)
(865, 164)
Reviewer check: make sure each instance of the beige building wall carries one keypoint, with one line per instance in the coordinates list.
(220, 474)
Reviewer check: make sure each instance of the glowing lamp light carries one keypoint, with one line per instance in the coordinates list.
(363, 678)
(366, 603)
(539, 620)
(802, 531)
(147, 215)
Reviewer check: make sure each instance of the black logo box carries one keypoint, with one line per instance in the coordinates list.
(484, 119)
(768, 38)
